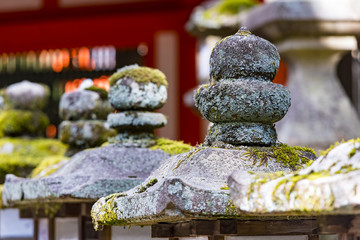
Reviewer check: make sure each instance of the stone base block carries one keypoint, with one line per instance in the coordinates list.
(242, 134)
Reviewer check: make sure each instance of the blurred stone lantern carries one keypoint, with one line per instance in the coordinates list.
(60, 202)
(311, 36)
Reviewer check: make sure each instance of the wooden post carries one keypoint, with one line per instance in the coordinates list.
(51, 228)
(36, 228)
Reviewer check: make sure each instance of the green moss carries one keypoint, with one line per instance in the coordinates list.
(48, 166)
(325, 152)
(139, 74)
(292, 157)
(229, 7)
(102, 92)
(1, 202)
(21, 122)
(170, 146)
(21, 156)
(151, 183)
(226, 187)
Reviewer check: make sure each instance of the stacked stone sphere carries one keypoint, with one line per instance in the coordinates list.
(22, 114)
(241, 99)
(84, 113)
(135, 92)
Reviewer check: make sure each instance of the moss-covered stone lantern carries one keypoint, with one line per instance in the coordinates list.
(188, 194)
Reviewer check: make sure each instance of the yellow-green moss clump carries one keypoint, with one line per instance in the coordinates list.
(292, 157)
(170, 146)
(102, 92)
(230, 7)
(139, 74)
(48, 166)
(21, 156)
(325, 152)
(1, 188)
(21, 122)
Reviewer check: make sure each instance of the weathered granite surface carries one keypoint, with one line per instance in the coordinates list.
(330, 185)
(87, 176)
(186, 186)
(27, 95)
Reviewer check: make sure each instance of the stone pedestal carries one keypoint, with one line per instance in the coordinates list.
(320, 113)
(311, 36)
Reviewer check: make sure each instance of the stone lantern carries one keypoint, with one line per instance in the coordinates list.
(187, 196)
(311, 36)
(60, 202)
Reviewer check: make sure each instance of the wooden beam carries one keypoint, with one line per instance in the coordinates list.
(338, 224)
(276, 227)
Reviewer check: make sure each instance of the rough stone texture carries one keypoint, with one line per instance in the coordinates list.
(244, 56)
(83, 104)
(311, 36)
(331, 185)
(85, 133)
(113, 169)
(140, 139)
(27, 95)
(187, 186)
(242, 133)
(127, 94)
(230, 101)
(132, 120)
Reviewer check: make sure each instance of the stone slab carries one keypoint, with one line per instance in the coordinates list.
(331, 185)
(87, 176)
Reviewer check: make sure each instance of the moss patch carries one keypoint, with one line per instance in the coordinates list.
(292, 157)
(48, 166)
(1, 202)
(229, 7)
(21, 122)
(139, 74)
(151, 183)
(170, 146)
(21, 156)
(102, 92)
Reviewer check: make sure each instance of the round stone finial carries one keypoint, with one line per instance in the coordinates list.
(135, 92)
(244, 56)
(241, 100)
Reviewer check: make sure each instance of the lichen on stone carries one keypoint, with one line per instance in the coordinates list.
(170, 146)
(139, 74)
